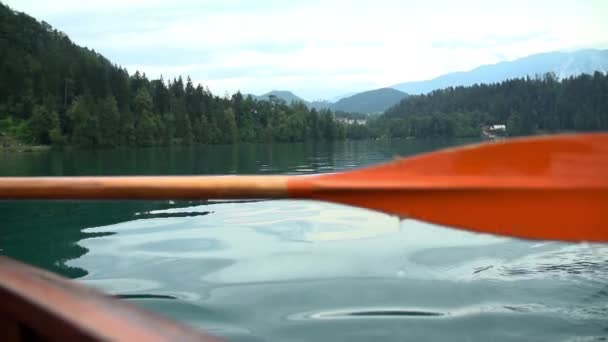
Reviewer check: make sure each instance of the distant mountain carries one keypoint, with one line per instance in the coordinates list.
(320, 104)
(284, 95)
(563, 64)
(373, 101)
(290, 97)
(340, 97)
(328, 103)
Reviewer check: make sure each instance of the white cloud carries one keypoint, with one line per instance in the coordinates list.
(320, 48)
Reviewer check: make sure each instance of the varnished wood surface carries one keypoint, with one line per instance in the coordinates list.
(143, 187)
(36, 304)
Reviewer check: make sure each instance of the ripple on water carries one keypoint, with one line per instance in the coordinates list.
(184, 245)
(367, 313)
(589, 312)
(149, 215)
(249, 266)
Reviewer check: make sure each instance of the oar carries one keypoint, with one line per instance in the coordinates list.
(553, 187)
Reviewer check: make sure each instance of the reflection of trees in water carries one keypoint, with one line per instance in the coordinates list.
(46, 234)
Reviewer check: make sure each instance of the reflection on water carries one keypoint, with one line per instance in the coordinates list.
(275, 268)
(302, 270)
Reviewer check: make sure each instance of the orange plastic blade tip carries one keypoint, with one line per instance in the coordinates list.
(552, 187)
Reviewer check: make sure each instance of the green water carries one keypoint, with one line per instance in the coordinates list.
(301, 271)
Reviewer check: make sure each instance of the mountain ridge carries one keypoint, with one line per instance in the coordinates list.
(284, 95)
(373, 101)
(563, 64)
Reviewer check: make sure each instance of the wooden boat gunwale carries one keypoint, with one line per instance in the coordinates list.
(39, 305)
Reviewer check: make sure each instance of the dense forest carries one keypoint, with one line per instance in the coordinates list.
(525, 105)
(55, 92)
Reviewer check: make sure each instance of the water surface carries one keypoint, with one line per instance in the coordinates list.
(301, 270)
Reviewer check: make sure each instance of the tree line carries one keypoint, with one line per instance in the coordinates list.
(525, 105)
(55, 92)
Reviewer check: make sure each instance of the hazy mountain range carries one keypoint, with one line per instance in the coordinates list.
(563, 64)
(284, 95)
(373, 101)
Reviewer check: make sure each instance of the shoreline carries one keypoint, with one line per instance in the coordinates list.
(25, 148)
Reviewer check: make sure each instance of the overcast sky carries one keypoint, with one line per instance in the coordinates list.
(319, 49)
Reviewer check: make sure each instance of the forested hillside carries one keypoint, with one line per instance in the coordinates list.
(284, 95)
(55, 92)
(373, 101)
(526, 106)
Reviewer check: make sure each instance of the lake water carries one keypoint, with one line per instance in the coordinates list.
(301, 270)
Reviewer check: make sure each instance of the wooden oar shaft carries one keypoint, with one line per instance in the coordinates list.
(144, 187)
(553, 187)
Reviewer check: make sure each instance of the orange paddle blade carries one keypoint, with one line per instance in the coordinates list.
(553, 187)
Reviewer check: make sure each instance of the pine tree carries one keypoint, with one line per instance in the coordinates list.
(85, 128)
(145, 124)
(109, 122)
(228, 128)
